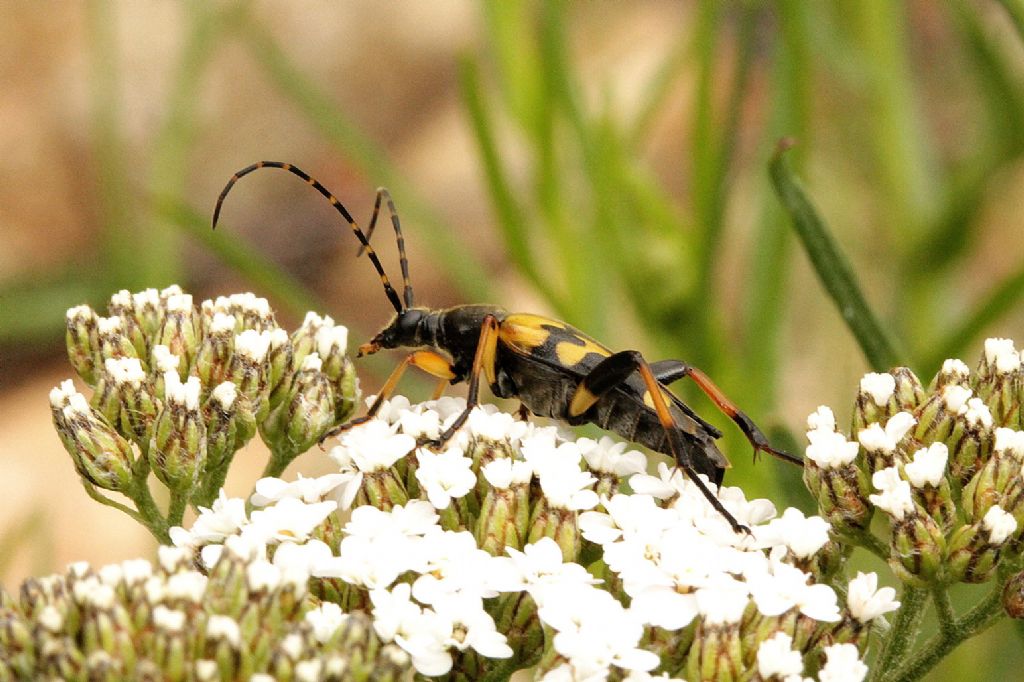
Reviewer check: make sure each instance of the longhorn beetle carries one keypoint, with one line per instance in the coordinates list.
(553, 369)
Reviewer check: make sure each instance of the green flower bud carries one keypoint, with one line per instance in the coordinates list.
(122, 304)
(124, 397)
(82, 340)
(876, 400)
(306, 413)
(163, 361)
(280, 363)
(304, 339)
(561, 525)
(917, 548)
(101, 456)
(251, 311)
(213, 361)
(230, 424)
(179, 330)
(974, 549)
(332, 342)
(842, 495)
(999, 380)
(953, 372)
(970, 443)
(249, 368)
(716, 653)
(505, 509)
(113, 343)
(178, 448)
(383, 489)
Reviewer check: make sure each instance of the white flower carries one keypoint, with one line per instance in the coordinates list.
(224, 627)
(538, 568)
(842, 664)
(331, 339)
(866, 601)
(444, 475)
(504, 473)
(594, 630)
(955, 368)
(326, 619)
(830, 449)
(164, 360)
(125, 370)
(497, 427)
(566, 487)
(929, 466)
(453, 565)
(895, 497)
(168, 620)
(290, 520)
(787, 587)
(723, 600)
(955, 397)
(880, 387)
(977, 413)
(1001, 354)
(185, 394)
(212, 525)
(776, 657)
(397, 619)
(822, 419)
(877, 439)
(999, 524)
(470, 627)
(1010, 442)
(611, 457)
(270, 489)
(253, 345)
(373, 446)
(804, 536)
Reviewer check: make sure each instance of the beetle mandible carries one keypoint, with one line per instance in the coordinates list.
(553, 369)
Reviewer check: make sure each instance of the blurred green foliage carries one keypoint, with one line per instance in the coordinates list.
(594, 228)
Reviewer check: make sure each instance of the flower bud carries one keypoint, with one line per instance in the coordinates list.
(249, 368)
(331, 343)
(179, 330)
(306, 413)
(113, 343)
(251, 311)
(876, 400)
(505, 508)
(280, 365)
(970, 443)
(974, 549)
(213, 361)
(831, 474)
(886, 446)
(230, 424)
(178, 449)
(82, 340)
(931, 489)
(122, 305)
(124, 396)
(999, 381)
(917, 549)
(953, 372)
(101, 456)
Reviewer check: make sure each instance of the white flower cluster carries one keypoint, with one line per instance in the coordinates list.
(668, 560)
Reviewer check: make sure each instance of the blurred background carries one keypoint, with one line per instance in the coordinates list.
(603, 163)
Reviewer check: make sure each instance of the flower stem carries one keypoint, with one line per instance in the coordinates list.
(903, 632)
(949, 637)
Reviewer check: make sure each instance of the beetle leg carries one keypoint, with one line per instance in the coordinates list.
(483, 361)
(439, 390)
(614, 370)
(429, 361)
(667, 371)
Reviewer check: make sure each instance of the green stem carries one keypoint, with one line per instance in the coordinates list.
(981, 617)
(904, 630)
(176, 509)
(943, 609)
(279, 461)
(149, 512)
(103, 499)
(870, 542)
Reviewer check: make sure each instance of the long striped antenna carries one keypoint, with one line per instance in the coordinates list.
(396, 302)
(383, 193)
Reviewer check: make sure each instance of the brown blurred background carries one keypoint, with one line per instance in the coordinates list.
(120, 123)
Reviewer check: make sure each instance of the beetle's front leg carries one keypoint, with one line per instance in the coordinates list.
(483, 362)
(429, 361)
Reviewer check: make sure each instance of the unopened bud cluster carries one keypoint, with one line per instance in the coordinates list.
(246, 617)
(178, 388)
(942, 462)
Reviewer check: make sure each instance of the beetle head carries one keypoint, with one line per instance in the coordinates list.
(404, 330)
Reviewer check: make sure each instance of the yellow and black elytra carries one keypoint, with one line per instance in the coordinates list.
(553, 369)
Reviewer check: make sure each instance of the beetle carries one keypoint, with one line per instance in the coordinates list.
(552, 368)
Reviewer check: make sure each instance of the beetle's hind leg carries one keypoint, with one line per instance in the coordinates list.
(668, 371)
(612, 372)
